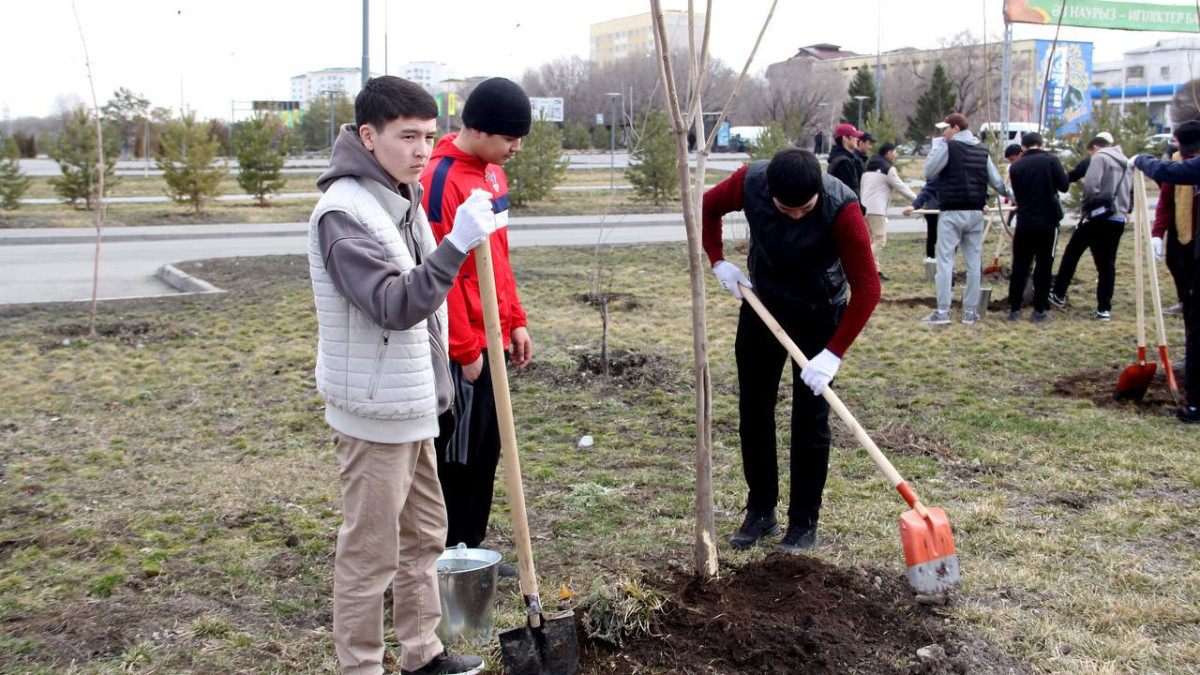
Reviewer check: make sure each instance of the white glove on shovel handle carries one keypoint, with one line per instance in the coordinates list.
(820, 371)
(730, 276)
(1157, 246)
(473, 222)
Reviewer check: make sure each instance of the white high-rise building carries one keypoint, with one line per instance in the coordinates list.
(428, 74)
(316, 83)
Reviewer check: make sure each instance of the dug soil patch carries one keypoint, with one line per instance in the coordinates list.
(796, 614)
(1098, 386)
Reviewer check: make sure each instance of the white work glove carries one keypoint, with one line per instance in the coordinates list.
(820, 371)
(473, 222)
(730, 276)
(1156, 246)
(1132, 161)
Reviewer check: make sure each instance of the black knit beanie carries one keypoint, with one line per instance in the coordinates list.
(1188, 135)
(498, 106)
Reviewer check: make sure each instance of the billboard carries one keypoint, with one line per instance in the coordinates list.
(1104, 14)
(551, 108)
(1069, 84)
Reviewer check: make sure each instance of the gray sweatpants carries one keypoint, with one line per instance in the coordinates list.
(959, 229)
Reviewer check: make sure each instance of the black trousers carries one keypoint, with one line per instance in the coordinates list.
(931, 221)
(468, 450)
(1191, 367)
(1181, 264)
(760, 360)
(1102, 237)
(1032, 247)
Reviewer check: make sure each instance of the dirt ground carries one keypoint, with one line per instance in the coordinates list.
(1099, 386)
(797, 614)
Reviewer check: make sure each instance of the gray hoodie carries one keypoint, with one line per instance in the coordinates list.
(1107, 179)
(359, 267)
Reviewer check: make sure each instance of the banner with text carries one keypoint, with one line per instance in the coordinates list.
(1104, 14)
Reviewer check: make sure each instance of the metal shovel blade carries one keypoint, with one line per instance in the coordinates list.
(549, 649)
(1134, 381)
(929, 551)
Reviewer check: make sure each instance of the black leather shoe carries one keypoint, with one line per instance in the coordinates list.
(799, 538)
(1189, 414)
(449, 664)
(754, 527)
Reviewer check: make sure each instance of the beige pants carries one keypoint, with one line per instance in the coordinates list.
(877, 226)
(394, 530)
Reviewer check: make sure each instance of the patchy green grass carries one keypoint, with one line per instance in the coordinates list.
(169, 503)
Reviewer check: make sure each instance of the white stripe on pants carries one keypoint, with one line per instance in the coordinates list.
(394, 529)
(959, 229)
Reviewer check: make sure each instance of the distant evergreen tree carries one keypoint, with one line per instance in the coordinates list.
(13, 183)
(862, 85)
(769, 142)
(652, 164)
(260, 163)
(190, 178)
(538, 167)
(933, 106)
(576, 136)
(601, 140)
(75, 151)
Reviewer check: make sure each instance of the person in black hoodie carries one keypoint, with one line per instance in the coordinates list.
(1037, 178)
(844, 164)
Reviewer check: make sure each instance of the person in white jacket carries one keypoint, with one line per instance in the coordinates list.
(878, 182)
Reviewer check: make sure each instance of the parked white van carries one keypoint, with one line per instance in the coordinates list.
(1015, 130)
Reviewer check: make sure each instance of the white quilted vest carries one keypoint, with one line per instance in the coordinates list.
(383, 376)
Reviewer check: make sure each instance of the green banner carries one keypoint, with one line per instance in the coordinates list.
(1103, 14)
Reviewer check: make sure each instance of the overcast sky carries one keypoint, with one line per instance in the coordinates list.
(207, 53)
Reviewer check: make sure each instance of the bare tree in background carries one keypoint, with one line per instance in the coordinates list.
(99, 173)
(691, 194)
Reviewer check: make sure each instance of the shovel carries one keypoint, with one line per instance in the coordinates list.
(545, 646)
(1140, 190)
(1135, 379)
(995, 267)
(924, 532)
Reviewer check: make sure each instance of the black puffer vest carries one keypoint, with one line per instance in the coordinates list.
(795, 261)
(964, 180)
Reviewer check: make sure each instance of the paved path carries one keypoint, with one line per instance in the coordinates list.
(55, 264)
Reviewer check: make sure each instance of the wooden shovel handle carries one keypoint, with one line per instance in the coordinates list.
(840, 408)
(508, 431)
(1144, 217)
(1139, 217)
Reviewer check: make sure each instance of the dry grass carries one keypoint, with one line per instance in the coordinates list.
(168, 497)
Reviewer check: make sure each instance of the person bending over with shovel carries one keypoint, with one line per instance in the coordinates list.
(811, 265)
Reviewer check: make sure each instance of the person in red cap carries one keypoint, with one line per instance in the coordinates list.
(844, 164)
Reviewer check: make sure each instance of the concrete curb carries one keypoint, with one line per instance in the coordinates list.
(184, 282)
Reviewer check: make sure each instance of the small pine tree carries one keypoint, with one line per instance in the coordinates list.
(862, 85)
(769, 142)
(652, 168)
(601, 139)
(260, 164)
(538, 167)
(191, 177)
(932, 107)
(13, 183)
(576, 136)
(884, 129)
(75, 152)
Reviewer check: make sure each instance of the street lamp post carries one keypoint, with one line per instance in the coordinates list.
(860, 98)
(612, 148)
(820, 115)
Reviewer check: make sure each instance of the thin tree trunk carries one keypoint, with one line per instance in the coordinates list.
(101, 205)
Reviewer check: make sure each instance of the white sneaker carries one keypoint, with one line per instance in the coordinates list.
(937, 318)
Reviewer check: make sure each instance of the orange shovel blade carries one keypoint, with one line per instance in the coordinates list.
(1134, 381)
(929, 551)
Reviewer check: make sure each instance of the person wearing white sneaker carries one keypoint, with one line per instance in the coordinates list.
(810, 263)
(966, 171)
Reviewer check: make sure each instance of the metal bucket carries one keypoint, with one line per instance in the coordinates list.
(985, 299)
(467, 584)
(930, 271)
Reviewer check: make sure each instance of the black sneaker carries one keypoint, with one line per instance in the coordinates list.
(1014, 315)
(883, 277)
(1058, 301)
(799, 538)
(754, 527)
(1102, 316)
(1189, 414)
(449, 664)
(1040, 317)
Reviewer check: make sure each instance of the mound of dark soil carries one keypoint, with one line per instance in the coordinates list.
(1099, 386)
(796, 614)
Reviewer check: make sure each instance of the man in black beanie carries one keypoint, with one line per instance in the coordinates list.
(495, 118)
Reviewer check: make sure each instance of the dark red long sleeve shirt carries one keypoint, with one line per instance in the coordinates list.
(853, 243)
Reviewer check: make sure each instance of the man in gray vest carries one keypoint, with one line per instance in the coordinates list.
(966, 171)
